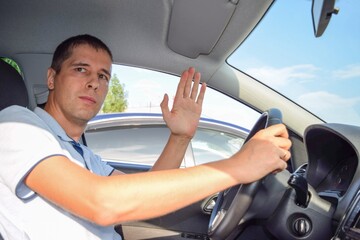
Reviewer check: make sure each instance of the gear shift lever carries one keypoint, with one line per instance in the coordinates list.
(300, 185)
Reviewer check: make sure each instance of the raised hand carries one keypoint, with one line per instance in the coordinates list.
(184, 116)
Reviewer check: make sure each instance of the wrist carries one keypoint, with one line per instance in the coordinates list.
(180, 139)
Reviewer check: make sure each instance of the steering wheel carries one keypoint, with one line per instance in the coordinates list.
(232, 204)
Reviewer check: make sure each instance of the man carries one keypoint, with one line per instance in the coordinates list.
(59, 189)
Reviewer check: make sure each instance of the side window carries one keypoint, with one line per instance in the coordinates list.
(130, 135)
(138, 144)
(212, 145)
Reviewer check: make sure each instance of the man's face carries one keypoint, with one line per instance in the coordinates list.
(80, 87)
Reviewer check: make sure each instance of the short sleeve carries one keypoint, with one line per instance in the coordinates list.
(25, 141)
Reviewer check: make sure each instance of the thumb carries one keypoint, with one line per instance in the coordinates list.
(164, 105)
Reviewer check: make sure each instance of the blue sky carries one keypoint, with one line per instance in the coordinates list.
(322, 74)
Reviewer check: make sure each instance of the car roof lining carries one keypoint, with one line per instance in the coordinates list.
(129, 37)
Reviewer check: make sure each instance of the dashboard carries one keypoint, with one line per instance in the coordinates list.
(338, 179)
(333, 171)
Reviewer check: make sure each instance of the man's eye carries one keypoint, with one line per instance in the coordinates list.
(80, 69)
(104, 77)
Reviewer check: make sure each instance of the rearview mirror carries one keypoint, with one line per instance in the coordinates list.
(321, 12)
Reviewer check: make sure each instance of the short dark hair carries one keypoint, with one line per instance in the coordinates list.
(64, 50)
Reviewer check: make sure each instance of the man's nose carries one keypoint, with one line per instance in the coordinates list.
(93, 82)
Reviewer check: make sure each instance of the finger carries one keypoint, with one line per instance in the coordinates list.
(201, 96)
(164, 105)
(188, 83)
(181, 85)
(278, 130)
(281, 166)
(285, 155)
(281, 163)
(282, 142)
(194, 90)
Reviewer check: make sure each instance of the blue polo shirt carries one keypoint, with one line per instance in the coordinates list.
(27, 138)
(89, 160)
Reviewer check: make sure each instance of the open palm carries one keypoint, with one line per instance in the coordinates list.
(184, 116)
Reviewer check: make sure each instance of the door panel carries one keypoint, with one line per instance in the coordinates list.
(190, 221)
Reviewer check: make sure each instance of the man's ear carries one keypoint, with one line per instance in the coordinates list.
(51, 78)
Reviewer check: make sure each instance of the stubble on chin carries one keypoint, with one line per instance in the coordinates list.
(85, 115)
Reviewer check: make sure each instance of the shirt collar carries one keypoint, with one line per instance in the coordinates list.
(53, 124)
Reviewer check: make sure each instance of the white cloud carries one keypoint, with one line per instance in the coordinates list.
(350, 71)
(329, 106)
(283, 76)
(334, 107)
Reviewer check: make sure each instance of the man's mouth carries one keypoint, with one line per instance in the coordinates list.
(88, 99)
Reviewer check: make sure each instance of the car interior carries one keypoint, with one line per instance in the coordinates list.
(317, 197)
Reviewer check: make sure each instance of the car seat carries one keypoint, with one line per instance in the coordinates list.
(12, 87)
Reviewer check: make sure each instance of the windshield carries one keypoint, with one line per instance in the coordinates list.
(321, 74)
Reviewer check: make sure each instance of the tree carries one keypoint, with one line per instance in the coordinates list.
(115, 100)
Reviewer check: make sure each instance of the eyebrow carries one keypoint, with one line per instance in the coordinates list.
(88, 65)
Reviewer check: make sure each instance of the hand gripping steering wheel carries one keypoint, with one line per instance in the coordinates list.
(232, 204)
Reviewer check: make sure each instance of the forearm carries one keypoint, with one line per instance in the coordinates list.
(173, 153)
(116, 199)
(153, 194)
(182, 119)
(148, 195)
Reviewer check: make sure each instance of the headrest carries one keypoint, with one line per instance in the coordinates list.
(12, 87)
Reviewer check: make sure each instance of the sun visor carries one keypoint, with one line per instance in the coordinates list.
(198, 31)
